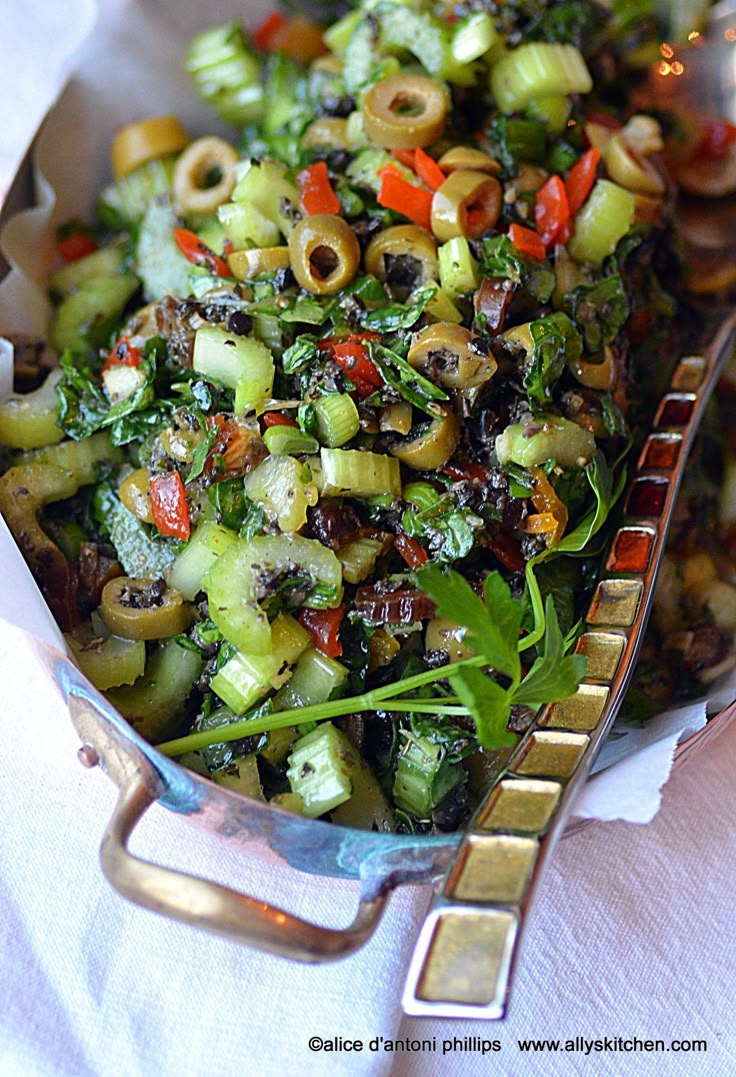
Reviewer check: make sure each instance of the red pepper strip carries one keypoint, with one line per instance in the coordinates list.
(123, 354)
(716, 139)
(275, 418)
(403, 197)
(527, 241)
(75, 246)
(507, 551)
(580, 178)
(428, 170)
(412, 551)
(197, 252)
(169, 505)
(405, 156)
(551, 210)
(352, 357)
(315, 190)
(264, 37)
(465, 472)
(324, 628)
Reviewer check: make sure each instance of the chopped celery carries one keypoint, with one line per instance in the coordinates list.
(86, 317)
(245, 678)
(337, 419)
(473, 37)
(265, 186)
(358, 558)
(553, 110)
(245, 226)
(28, 420)
(459, 271)
(227, 73)
(337, 36)
(241, 775)
(537, 69)
(279, 486)
(234, 360)
(162, 267)
(367, 808)
(442, 309)
(155, 702)
(105, 262)
(359, 474)
(423, 775)
(80, 458)
(237, 579)
(279, 743)
(314, 679)
(110, 662)
(555, 438)
(604, 219)
(123, 203)
(319, 769)
(288, 440)
(198, 556)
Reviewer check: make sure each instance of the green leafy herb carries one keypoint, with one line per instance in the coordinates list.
(402, 376)
(500, 258)
(556, 340)
(600, 310)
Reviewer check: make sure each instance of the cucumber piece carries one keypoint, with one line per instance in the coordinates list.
(198, 556)
(154, 704)
(123, 203)
(105, 262)
(161, 265)
(28, 420)
(84, 319)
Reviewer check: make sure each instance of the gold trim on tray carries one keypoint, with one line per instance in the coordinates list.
(465, 955)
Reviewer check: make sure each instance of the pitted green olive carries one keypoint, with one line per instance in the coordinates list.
(248, 264)
(324, 253)
(134, 494)
(204, 175)
(143, 608)
(468, 157)
(445, 352)
(595, 375)
(434, 447)
(467, 204)
(404, 251)
(404, 111)
(331, 131)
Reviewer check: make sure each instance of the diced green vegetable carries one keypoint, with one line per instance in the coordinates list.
(110, 662)
(459, 271)
(105, 262)
(359, 474)
(240, 362)
(337, 419)
(288, 441)
(241, 776)
(358, 558)
(423, 775)
(162, 267)
(198, 556)
(537, 69)
(123, 203)
(155, 703)
(314, 679)
(85, 318)
(245, 226)
(28, 420)
(265, 186)
(604, 219)
(550, 437)
(227, 73)
(280, 486)
(319, 769)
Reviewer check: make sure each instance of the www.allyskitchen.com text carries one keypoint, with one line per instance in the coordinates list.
(480, 1045)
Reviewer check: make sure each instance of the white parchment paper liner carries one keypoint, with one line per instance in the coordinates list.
(131, 67)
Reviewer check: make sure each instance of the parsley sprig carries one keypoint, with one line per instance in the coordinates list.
(485, 686)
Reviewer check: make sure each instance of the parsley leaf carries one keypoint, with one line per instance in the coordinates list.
(489, 704)
(553, 675)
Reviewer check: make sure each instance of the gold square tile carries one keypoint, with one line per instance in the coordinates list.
(688, 376)
(615, 603)
(520, 804)
(468, 958)
(549, 754)
(582, 711)
(492, 869)
(602, 651)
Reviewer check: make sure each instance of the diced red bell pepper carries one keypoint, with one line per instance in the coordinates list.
(398, 194)
(411, 550)
(197, 252)
(352, 357)
(552, 211)
(266, 34)
(405, 156)
(316, 193)
(579, 180)
(275, 418)
(75, 246)
(428, 170)
(324, 628)
(507, 550)
(465, 472)
(527, 241)
(169, 505)
(123, 354)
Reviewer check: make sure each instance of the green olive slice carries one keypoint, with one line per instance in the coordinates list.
(404, 242)
(467, 204)
(404, 111)
(143, 608)
(468, 157)
(248, 264)
(204, 175)
(433, 448)
(445, 352)
(324, 252)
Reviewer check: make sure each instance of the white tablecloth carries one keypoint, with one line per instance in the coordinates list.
(633, 935)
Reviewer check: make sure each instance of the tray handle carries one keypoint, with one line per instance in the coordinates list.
(216, 908)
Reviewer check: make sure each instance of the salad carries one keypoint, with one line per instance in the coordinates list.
(315, 468)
